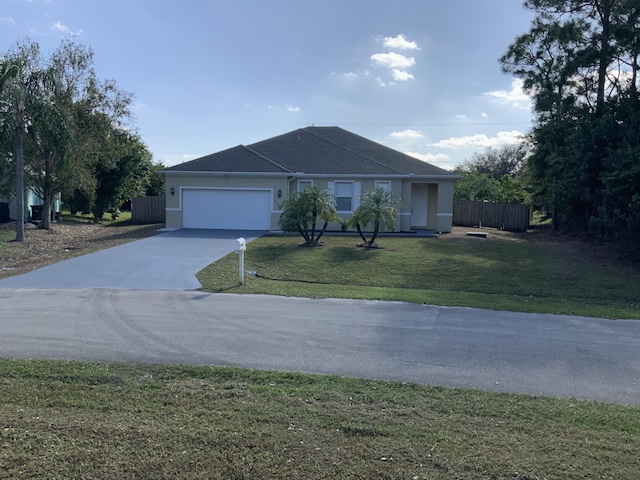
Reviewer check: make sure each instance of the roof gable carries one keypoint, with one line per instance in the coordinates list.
(313, 151)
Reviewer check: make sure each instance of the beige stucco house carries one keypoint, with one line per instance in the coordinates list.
(243, 188)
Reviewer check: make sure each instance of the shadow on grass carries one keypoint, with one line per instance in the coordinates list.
(278, 252)
(354, 254)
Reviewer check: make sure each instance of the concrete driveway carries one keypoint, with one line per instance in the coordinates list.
(168, 261)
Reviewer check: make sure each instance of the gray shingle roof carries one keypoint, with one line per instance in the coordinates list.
(313, 151)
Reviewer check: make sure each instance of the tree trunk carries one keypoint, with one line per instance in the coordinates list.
(359, 228)
(19, 186)
(47, 195)
(376, 229)
(324, 229)
(604, 10)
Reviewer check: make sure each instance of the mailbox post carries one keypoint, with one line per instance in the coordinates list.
(242, 246)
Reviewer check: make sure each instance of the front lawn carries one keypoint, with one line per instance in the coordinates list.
(69, 420)
(516, 272)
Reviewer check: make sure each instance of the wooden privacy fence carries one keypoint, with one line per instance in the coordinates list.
(505, 216)
(148, 209)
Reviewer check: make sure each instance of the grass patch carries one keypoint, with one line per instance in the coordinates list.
(506, 273)
(72, 420)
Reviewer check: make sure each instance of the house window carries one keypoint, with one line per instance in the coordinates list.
(344, 196)
(302, 184)
(384, 184)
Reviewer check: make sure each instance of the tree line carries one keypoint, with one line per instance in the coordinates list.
(579, 64)
(64, 130)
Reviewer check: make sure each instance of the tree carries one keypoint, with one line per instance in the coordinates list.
(122, 172)
(494, 175)
(302, 212)
(378, 209)
(60, 151)
(579, 62)
(22, 90)
(496, 162)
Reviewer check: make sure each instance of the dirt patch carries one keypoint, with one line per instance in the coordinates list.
(63, 241)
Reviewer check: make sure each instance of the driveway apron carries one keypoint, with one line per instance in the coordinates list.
(168, 261)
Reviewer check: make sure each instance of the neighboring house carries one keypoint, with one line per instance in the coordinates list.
(32, 205)
(244, 187)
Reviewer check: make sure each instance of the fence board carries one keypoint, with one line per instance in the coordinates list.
(506, 216)
(148, 209)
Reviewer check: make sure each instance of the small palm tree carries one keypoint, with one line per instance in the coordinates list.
(302, 211)
(377, 208)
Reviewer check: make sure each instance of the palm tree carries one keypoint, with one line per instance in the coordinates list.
(302, 211)
(13, 97)
(377, 208)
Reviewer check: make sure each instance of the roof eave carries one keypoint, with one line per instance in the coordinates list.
(200, 173)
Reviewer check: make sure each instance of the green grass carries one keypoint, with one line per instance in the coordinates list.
(71, 420)
(505, 273)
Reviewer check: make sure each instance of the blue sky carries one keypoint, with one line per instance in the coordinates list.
(420, 76)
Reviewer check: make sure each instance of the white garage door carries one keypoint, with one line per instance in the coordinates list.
(226, 209)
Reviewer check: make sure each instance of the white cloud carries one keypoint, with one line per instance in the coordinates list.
(64, 29)
(484, 115)
(514, 97)
(291, 108)
(393, 60)
(401, 75)
(353, 76)
(9, 20)
(462, 117)
(407, 134)
(400, 42)
(480, 140)
(380, 82)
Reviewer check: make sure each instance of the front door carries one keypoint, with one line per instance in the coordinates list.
(419, 205)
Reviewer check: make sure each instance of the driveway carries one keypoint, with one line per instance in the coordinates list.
(168, 261)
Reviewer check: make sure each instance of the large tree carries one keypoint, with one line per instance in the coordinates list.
(71, 113)
(23, 99)
(579, 62)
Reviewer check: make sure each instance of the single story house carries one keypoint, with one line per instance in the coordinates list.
(33, 206)
(244, 187)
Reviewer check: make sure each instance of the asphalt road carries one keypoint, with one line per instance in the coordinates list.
(553, 355)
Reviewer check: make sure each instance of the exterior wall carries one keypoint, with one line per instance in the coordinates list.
(366, 184)
(440, 204)
(181, 182)
(444, 222)
(440, 196)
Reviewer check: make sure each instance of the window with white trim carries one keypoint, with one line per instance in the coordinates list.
(384, 184)
(302, 184)
(346, 195)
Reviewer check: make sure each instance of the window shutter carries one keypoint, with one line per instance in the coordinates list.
(357, 188)
(331, 188)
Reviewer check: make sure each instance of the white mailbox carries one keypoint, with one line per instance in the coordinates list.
(242, 244)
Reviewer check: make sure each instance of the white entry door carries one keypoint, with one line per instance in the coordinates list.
(226, 209)
(420, 205)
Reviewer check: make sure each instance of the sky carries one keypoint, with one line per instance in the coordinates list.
(419, 76)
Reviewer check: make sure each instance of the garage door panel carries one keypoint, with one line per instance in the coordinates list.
(226, 209)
